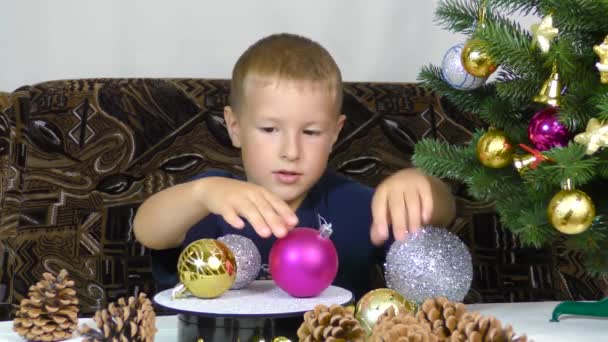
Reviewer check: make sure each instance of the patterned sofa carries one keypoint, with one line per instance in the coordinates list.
(79, 156)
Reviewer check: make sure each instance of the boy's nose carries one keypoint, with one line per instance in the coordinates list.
(290, 148)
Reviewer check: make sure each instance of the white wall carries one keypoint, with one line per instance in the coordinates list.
(380, 40)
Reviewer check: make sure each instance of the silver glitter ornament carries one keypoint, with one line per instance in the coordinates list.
(454, 73)
(248, 259)
(430, 263)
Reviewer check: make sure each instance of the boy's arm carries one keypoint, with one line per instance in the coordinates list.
(163, 220)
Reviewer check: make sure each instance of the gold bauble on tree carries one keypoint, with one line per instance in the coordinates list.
(475, 61)
(207, 268)
(571, 211)
(376, 302)
(494, 149)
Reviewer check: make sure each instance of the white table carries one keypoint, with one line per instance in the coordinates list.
(529, 318)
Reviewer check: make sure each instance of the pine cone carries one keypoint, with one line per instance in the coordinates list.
(441, 316)
(331, 324)
(403, 327)
(51, 311)
(476, 328)
(132, 321)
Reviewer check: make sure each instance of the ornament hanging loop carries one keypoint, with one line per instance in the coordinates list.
(482, 13)
(325, 229)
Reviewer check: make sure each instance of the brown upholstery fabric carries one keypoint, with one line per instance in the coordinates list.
(79, 156)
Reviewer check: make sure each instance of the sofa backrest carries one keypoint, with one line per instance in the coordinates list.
(79, 156)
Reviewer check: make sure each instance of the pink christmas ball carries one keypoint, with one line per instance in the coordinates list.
(546, 131)
(303, 263)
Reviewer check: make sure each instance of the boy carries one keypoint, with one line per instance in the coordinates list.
(286, 94)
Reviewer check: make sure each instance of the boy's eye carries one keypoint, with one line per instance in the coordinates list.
(267, 129)
(312, 132)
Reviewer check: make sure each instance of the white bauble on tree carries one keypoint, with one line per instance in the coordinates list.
(455, 74)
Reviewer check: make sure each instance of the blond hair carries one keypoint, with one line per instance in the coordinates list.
(285, 57)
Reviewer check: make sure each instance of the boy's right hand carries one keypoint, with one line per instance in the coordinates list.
(234, 199)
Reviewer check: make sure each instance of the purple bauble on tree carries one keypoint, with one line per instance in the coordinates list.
(546, 131)
(305, 262)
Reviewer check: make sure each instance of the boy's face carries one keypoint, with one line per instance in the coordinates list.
(285, 133)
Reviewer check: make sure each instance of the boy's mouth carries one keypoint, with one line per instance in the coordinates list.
(287, 177)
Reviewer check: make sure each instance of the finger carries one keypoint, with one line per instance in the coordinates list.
(398, 213)
(271, 217)
(284, 211)
(426, 200)
(233, 219)
(412, 200)
(379, 229)
(250, 212)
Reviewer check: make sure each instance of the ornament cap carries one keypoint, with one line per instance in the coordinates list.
(567, 184)
(325, 229)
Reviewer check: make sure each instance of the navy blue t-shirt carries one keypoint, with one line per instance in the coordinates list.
(342, 202)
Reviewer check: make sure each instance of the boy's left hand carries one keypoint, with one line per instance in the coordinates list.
(406, 200)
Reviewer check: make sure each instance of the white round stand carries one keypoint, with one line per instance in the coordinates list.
(261, 311)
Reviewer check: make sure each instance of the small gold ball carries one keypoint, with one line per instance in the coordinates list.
(281, 339)
(571, 211)
(207, 268)
(494, 149)
(476, 62)
(376, 302)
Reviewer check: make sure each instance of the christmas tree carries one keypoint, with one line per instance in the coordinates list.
(542, 93)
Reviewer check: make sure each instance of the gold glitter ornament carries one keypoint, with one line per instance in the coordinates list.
(476, 62)
(206, 268)
(494, 149)
(281, 339)
(376, 302)
(571, 211)
(543, 33)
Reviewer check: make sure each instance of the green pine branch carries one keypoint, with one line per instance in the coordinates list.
(570, 162)
(466, 101)
(525, 7)
(601, 103)
(443, 160)
(457, 15)
(509, 45)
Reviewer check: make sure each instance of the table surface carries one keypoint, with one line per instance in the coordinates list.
(531, 319)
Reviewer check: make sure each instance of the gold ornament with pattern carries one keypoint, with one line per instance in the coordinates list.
(494, 149)
(475, 61)
(595, 136)
(206, 268)
(571, 211)
(543, 33)
(602, 66)
(376, 302)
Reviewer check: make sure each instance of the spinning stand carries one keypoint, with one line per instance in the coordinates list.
(259, 311)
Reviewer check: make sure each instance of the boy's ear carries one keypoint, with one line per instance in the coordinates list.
(232, 124)
(339, 126)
